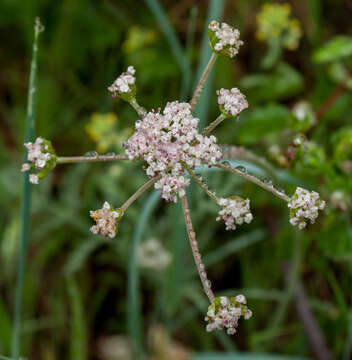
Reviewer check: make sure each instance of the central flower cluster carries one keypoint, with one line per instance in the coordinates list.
(168, 139)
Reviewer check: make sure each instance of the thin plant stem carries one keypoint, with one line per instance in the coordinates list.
(200, 183)
(139, 192)
(241, 153)
(202, 80)
(84, 159)
(194, 246)
(26, 198)
(254, 180)
(139, 109)
(214, 124)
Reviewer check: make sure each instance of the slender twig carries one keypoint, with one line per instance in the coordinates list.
(213, 125)
(202, 80)
(200, 182)
(83, 159)
(194, 246)
(330, 101)
(254, 180)
(139, 109)
(26, 198)
(139, 192)
(314, 334)
(327, 104)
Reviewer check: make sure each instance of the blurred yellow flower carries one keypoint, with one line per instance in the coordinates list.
(102, 130)
(274, 22)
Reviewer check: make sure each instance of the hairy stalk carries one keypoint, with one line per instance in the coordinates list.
(254, 180)
(83, 159)
(194, 246)
(202, 80)
(241, 153)
(200, 182)
(139, 109)
(26, 199)
(139, 192)
(213, 125)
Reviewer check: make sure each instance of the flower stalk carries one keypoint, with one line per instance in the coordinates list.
(254, 180)
(214, 124)
(138, 193)
(139, 109)
(84, 159)
(200, 183)
(194, 246)
(202, 80)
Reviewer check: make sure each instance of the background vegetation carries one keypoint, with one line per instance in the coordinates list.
(86, 297)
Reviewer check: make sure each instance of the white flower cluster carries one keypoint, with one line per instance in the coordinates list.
(304, 205)
(225, 312)
(235, 210)
(106, 220)
(152, 255)
(123, 84)
(166, 140)
(231, 102)
(227, 38)
(39, 153)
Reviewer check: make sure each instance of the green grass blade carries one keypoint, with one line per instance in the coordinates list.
(134, 321)
(5, 328)
(26, 198)
(244, 356)
(78, 336)
(215, 10)
(173, 40)
(2, 357)
(348, 343)
(187, 75)
(81, 253)
(232, 247)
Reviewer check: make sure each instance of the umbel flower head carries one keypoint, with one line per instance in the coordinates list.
(167, 139)
(304, 206)
(274, 23)
(124, 86)
(225, 312)
(224, 39)
(231, 102)
(41, 159)
(235, 211)
(107, 219)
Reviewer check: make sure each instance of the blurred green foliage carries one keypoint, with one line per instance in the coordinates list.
(75, 291)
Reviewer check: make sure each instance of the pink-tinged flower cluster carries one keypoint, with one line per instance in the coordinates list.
(224, 313)
(304, 205)
(231, 102)
(124, 83)
(106, 219)
(235, 210)
(41, 157)
(224, 38)
(167, 139)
